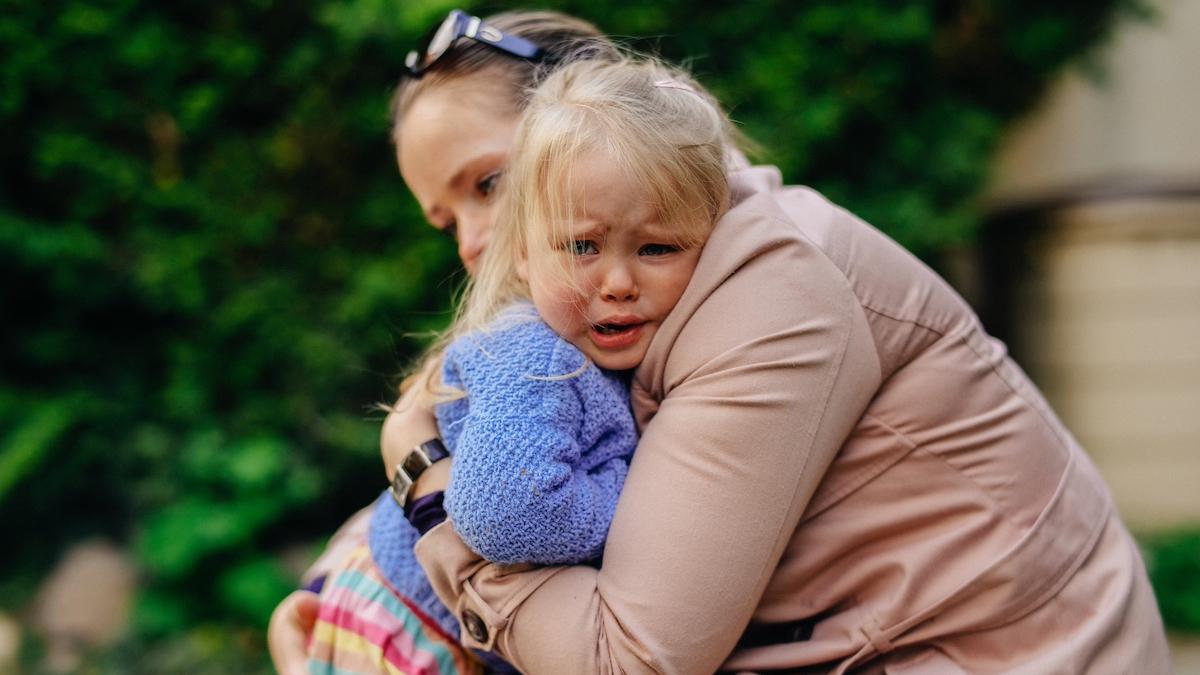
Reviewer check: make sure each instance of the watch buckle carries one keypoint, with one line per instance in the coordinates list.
(401, 484)
(418, 459)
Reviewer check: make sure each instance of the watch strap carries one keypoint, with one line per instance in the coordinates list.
(414, 464)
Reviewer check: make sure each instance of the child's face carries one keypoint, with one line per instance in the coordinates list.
(625, 273)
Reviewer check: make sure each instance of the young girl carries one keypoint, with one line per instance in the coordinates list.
(617, 176)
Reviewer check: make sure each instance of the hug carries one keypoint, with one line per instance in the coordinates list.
(689, 419)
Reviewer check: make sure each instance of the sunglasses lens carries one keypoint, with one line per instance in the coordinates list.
(441, 40)
(459, 24)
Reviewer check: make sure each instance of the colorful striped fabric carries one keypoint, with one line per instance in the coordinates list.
(364, 627)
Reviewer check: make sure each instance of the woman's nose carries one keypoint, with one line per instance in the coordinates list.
(473, 234)
(618, 284)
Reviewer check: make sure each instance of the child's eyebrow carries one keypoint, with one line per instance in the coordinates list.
(588, 230)
(655, 229)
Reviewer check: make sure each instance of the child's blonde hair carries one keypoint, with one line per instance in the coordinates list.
(652, 121)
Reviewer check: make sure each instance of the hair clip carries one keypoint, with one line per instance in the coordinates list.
(675, 84)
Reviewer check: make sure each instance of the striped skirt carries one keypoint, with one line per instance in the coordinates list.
(364, 627)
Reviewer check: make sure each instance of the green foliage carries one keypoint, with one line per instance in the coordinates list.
(210, 261)
(203, 649)
(1174, 564)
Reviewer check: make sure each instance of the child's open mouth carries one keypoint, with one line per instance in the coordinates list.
(612, 328)
(616, 335)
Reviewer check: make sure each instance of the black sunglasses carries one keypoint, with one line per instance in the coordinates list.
(459, 25)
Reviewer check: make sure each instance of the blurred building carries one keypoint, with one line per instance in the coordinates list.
(1091, 260)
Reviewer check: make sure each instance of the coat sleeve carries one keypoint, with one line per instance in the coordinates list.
(763, 384)
(519, 490)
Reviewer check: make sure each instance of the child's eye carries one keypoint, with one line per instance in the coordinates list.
(584, 247)
(487, 185)
(657, 249)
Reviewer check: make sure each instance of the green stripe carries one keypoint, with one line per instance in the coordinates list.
(368, 588)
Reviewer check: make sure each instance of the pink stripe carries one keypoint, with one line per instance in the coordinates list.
(354, 600)
(353, 613)
(368, 569)
(396, 646)
(370, 611)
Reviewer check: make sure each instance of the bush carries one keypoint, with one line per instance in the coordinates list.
(211, 264)
(1174, 563)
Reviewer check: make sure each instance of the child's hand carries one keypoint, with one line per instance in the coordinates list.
(288, 633)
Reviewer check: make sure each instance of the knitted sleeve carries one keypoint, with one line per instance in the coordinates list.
(541, 445)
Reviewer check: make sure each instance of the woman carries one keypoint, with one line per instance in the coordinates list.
(838, 470)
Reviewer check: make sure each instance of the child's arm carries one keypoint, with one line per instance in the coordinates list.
(519, 490)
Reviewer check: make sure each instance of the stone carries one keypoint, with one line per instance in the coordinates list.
(10, 643)
(84, 603)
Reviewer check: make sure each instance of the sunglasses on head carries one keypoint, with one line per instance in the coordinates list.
(459, 25)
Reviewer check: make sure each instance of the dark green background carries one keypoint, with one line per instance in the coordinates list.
(211, 269)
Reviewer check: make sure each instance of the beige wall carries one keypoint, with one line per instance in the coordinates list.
(1107, 317)
(1108, 324)
(1139, 121)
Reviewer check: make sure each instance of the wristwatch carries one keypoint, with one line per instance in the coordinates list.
(415, 463)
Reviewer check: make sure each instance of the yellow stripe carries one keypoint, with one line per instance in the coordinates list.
(348, 643)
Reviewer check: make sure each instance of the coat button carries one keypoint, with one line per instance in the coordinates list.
(475, 626)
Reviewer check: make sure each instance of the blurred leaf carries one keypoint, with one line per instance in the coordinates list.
(1174, 563)
(181, 536)
(33, 438)
(254, 587)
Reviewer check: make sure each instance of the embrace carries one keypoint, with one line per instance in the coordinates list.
(690, 419)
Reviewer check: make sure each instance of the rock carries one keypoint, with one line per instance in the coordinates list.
(84, 603)
(1185, 652)
(10, 643)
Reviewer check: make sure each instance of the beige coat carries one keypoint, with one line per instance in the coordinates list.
(829, 438)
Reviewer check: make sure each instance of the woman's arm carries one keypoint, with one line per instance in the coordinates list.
(407, 425)
(768, 377)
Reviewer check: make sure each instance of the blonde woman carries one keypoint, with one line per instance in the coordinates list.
(838, 469)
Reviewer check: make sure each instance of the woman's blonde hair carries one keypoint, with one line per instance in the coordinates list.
(561, 37)
(654, 122)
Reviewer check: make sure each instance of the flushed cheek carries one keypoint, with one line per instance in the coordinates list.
(560, 308)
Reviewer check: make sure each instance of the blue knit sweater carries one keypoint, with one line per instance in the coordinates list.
(541, 445)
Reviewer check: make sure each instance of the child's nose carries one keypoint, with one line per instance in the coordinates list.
(618, 284)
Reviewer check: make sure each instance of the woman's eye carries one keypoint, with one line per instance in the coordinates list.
(583, 247)
(487, 185)
(658, 249)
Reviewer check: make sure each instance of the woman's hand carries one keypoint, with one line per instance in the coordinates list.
(407, 425)
(434, 479)
(287, 634)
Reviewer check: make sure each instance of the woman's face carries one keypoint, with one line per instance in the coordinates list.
(452, 145)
